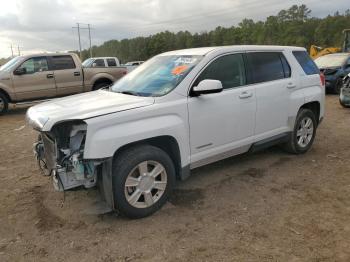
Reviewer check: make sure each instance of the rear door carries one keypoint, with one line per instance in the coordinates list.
(38, 81)
(270, 73)
(68, 75)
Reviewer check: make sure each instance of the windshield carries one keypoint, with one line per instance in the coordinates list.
(157, 76)
(331, 61)
(87, 62)
(10, 64)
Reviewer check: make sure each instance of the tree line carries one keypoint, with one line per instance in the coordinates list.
(293, 26)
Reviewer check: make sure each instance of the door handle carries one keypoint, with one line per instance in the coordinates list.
(49, 76)
(291, 85)
(76, 73)
(245, 94)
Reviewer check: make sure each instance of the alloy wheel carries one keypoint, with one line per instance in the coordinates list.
(145, 184)
(305, 132)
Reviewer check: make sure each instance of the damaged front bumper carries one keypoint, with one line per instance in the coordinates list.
(74, 171)
(66, 165)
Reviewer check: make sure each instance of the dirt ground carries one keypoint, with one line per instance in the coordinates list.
(269, 206)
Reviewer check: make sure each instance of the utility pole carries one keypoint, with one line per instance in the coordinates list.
(90, 40)
(19, 52)
(11, 51)
(79, 39)
(79, 28)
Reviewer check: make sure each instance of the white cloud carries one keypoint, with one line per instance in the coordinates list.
(47, 24)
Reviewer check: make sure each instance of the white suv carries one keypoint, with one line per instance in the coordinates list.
(178, 111)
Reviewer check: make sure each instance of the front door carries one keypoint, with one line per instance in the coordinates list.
(37, 82)
(222, 124)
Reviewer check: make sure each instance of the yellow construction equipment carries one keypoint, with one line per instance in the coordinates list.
(316, 51)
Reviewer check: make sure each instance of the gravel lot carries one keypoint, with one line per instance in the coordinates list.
(269, 206)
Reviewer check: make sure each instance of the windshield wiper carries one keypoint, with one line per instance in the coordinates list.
(129, 93)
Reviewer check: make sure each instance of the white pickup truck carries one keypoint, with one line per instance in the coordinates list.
(101, 62)
(178, 111)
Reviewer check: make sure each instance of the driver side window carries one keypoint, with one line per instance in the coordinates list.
(35, 64)
(228, 69)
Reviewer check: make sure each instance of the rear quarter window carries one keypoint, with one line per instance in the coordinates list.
(308, 65)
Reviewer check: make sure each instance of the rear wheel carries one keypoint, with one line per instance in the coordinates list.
(304, 132)
(143, 178)
(4, 103)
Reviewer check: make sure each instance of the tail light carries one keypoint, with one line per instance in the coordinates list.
(323, 79)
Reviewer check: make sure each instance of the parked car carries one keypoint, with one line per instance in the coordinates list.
(101, 62)
(334, 67)
(344, 97)
(178, 111)
(132, 65)
(43, 76)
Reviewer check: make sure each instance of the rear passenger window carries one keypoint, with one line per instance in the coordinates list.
(267, 66)
(111, 62)
(228, 69)
(308, 65)
(63, 62)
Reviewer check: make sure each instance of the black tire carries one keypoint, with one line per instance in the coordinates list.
(4, 104)
(338, 85)
(292, 146)
(124, 164)
(100, 86)
(343, 105)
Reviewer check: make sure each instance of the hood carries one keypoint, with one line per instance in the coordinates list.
(78, 107)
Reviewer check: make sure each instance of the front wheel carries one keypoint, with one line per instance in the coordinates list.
(3, 104)
(143, 178)
(304, 132)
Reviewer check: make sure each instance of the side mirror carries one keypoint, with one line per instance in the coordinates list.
(94, 65)
(207, 86)
(20, 71)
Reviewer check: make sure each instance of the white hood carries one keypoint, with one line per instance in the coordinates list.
(82, 106)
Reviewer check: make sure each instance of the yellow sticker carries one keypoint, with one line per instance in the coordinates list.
(179, 69)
